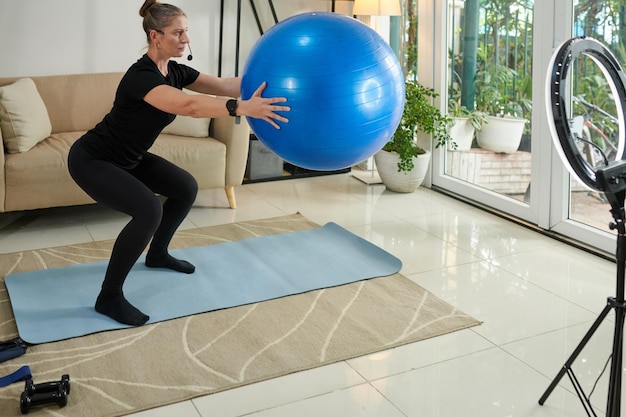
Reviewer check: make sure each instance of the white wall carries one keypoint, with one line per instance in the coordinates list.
(42, 37)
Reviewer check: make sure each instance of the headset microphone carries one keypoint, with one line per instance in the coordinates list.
(190, 56)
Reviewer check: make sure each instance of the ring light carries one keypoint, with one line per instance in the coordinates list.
(604, 178)
(609, 178)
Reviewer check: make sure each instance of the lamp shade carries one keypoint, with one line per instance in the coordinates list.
(376, 8)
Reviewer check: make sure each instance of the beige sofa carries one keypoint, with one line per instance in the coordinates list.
(38, 177)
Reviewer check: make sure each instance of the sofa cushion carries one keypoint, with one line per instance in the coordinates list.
(204, 158)
(24, 118)
(50, 184)
(39, 178)
(189, 126)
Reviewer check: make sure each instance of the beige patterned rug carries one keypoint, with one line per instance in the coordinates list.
(125, 371)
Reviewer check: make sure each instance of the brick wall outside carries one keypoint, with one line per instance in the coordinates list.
(499, 172)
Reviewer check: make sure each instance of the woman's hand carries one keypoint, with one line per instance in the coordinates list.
(264, 108)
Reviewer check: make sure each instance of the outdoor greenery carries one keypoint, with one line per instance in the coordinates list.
(595, 16)
(500, 91)
(491, 71)
(593, 99)
(492, 58)
(409, 43)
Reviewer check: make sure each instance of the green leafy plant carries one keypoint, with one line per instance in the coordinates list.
(419, 115)
(476, 117)
(491, 98)
(500, 91)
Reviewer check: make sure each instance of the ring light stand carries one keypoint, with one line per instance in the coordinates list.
(609, 178)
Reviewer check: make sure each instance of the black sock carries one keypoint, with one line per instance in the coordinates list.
(119, 309)
(168, 261)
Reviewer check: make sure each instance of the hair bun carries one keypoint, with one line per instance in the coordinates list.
(143, 11)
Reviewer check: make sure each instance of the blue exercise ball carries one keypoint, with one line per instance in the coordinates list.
(343, 83)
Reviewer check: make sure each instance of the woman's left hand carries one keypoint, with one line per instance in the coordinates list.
(264, 108)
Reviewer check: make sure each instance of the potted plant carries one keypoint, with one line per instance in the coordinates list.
(505, 122)
(402, 164)
(464, 124)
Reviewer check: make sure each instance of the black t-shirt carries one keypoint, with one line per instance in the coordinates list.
(132, 126)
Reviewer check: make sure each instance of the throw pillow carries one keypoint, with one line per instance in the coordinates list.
(24, 118)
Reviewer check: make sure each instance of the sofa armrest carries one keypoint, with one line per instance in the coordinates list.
(2, 180)
(236, 137)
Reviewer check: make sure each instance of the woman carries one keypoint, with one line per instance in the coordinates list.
(111, 162)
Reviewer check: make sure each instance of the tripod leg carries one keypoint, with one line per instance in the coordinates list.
(613, 406)
(575, 354)
(615, 381)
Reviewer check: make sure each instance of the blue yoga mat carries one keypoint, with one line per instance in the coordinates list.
(57, 304)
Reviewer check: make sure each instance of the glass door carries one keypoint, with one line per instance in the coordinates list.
(497, 53)
(489, 91)
(594, 120)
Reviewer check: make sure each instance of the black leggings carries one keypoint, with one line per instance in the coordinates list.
(132, 191)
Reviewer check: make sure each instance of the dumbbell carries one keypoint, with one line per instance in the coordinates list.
(48, 386)
(28, 400)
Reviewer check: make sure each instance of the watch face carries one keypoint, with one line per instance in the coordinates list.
(231, 106)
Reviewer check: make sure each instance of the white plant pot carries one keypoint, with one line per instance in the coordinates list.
(462, 133)
(501, 134)
(401, 182)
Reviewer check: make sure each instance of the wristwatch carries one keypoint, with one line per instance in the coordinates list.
(231, 106)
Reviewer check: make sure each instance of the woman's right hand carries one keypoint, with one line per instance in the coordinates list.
(264, 108)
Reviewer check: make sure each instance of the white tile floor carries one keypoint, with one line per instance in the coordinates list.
(536, 297)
